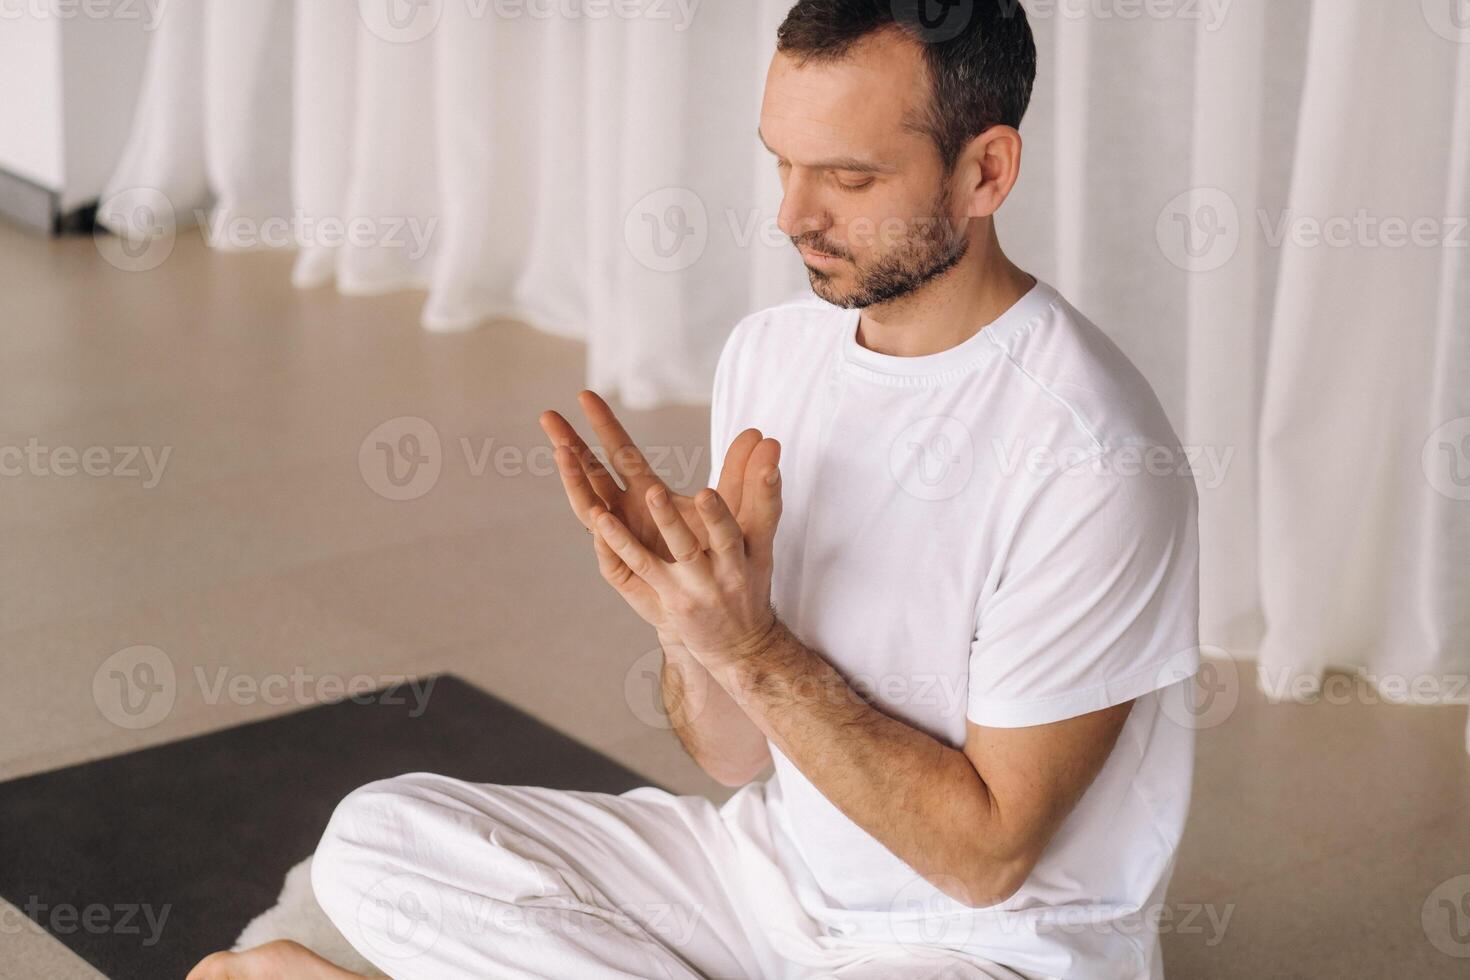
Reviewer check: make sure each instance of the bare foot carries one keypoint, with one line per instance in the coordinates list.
(280, 960)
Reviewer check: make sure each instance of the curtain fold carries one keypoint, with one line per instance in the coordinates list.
(1350, 509)
(1213, 184)
(1227, 336)
(323, 111)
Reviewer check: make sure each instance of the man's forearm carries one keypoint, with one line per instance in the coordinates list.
(921, 799)
(714, 730)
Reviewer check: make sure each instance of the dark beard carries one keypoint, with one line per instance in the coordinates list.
(900, 273)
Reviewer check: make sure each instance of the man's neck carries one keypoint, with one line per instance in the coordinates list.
(951, 309)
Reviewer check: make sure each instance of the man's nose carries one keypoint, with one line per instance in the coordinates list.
(801, 212)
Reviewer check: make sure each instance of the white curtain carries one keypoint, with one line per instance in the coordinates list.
(596, 176)
(1262, 201)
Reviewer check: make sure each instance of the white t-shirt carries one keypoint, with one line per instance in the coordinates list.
(1003, 532)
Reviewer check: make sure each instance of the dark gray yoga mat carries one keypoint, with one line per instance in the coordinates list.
(143, 863)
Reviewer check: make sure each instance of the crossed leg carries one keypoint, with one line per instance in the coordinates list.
(430, 877)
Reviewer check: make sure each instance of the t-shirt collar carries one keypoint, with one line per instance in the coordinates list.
(986, 342)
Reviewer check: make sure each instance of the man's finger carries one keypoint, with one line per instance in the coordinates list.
(763, 506)
(636, 592)
(609, 564)
(626, 458)
(563, 433)
(763, 455)
(726, 540)
(683, 545)
(640, 561)
(732, 471)
(579, 490)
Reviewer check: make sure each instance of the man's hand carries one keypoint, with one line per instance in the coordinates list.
(588, 483)
(712, 727)
(716, 592)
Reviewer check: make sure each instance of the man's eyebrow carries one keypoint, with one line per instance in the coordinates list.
(849, 164)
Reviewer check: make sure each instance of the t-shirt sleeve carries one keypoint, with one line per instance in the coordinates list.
(1097, 599)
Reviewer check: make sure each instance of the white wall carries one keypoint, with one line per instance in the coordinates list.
(102, 69)
(68, 85)
(30, 97)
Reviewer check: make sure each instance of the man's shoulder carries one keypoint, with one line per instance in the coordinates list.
(1065, 360)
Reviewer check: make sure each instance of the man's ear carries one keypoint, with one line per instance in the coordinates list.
(988, 168)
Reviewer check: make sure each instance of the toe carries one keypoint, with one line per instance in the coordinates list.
(215, 966)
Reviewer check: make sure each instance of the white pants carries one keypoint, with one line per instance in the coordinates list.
(430, 877)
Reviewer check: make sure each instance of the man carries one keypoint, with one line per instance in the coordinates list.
(947, 586)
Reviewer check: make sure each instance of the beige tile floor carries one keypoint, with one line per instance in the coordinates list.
(1320, 831)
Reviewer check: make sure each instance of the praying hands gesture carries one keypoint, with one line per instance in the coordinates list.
(697, 569)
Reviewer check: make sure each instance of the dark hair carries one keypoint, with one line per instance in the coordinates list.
(981, 56)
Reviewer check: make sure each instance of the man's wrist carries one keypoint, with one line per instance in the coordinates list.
(743, 665)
